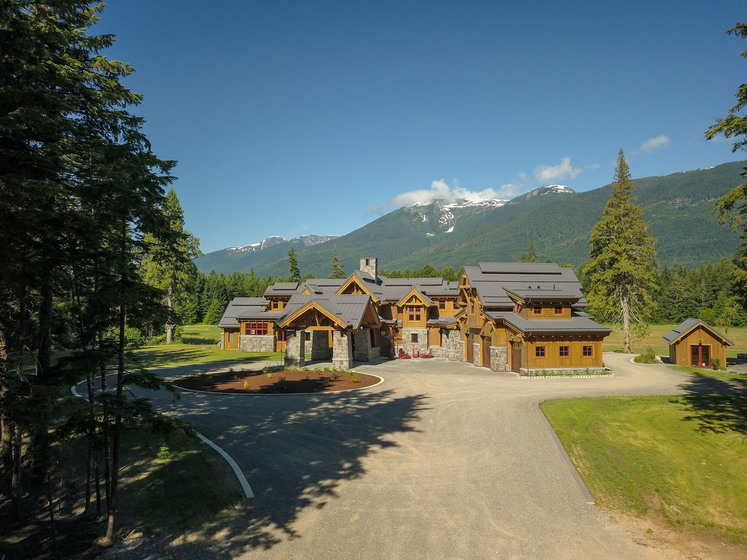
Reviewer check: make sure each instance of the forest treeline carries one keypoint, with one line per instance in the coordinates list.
(705, 292)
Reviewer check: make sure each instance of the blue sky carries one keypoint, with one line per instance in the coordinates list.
(290, 117)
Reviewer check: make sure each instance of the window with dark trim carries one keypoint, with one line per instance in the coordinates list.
(280, 336)
(442, 304)
(564, 351)
(538, 311)
(307, 335)
(539, 351)
(413, 337)
(558, 310)
(414, 313)
(588, 351)
(256, 328)
(275, 304)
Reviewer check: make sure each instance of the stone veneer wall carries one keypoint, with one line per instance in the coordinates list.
(361, 345)
(342, 349)
(256, 343)
(320, 349)
(476, 358)
(452, 345)
(421, 344)
(295, 355)
(498, 358)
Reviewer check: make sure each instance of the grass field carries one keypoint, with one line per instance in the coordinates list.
(613, 343)
(199, 345)
(677, 461)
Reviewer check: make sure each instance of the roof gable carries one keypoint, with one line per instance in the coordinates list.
(689, 325)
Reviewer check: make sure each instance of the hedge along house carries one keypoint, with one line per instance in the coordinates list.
(526, 317)
(695, 343)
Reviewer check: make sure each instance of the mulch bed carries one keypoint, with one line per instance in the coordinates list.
(279, 382)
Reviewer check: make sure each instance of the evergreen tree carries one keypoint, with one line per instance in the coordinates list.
(295, 272)
(732, 207)
(622, 268)
(531, 255)
(337, 270)
(167, 262)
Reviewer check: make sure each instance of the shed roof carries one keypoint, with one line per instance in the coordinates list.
(687, 326)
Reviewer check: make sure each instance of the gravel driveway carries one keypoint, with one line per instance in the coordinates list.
(442, 460)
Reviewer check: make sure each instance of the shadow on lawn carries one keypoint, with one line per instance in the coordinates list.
(295, 450)
(718, 406)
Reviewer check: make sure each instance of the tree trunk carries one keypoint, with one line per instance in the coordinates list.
(170, 321)
(625, 304)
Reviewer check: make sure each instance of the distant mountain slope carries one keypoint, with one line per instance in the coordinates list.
(256, 255)
(677, 208)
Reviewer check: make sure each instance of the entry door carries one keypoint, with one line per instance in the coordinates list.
(516, 357)
(700, 356)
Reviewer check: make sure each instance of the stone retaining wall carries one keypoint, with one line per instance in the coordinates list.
(256, 343)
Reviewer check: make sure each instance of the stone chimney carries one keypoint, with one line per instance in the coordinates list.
(371, 266)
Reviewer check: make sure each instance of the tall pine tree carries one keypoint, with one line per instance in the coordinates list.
(337, 270)
(622, 268)
(732, 207)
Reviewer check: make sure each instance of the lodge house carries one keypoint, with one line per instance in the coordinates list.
(505, 316)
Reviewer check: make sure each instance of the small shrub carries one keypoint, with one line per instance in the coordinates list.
(648, 357)
(269, 374)
(325, 381)
(163, 453)
(353, 376)
(246, 384)
(716, 363)
(283, 383)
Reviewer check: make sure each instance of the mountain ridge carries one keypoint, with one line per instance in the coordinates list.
(555, 218)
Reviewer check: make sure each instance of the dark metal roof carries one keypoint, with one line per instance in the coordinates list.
(348, 308)
(689, 324)
(527, 281)
(243, 308)
(576, 324)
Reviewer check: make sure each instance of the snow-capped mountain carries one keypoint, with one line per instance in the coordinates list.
(442, 216)
(302, 241)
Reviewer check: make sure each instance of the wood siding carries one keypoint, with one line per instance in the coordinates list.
(679, 352)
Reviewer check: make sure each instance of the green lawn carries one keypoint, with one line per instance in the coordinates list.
(613, 343)
(188, 486)
(678, 460)
(199, 345)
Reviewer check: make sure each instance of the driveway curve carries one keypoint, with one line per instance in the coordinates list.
(442, 460)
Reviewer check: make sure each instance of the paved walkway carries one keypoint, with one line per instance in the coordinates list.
(442, 460)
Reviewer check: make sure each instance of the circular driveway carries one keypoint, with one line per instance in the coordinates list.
(442, 460)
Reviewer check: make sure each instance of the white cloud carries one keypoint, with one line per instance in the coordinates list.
(440, 189)
(551, 173)
(655, 143)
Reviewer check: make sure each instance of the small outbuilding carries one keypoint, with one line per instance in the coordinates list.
(695, 343)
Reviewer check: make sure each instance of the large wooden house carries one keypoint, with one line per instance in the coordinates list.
(505, 316)
(695, 343)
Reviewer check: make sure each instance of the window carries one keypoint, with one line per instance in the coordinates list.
(307, 335)
(258, 328)
(414, 337)
(564, 351)
(588, 351)
(414, 313)
(538, 311)
(539, 351)
(558, 310)
(280, 336)
(230, 337)
(275, 304)
(442, 304)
